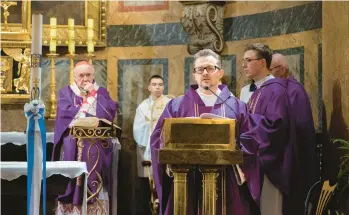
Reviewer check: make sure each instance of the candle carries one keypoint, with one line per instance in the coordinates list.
(71, 35)
(53, 34)
(36, 51)
(90, 34)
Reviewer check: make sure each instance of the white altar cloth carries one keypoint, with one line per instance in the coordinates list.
(70, 169)
(20, 138)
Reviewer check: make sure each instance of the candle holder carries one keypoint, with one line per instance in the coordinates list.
(90, 56)
(71, 74)
(52, 107)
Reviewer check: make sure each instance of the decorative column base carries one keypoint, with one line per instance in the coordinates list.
(209, 190)
(180, 189)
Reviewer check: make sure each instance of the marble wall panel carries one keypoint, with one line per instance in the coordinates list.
(133, 86)
(272, 23)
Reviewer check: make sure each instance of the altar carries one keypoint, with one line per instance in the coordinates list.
(14, 169)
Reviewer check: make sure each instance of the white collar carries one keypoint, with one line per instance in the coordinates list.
(260, 82)
(218, 91)
(77, 91)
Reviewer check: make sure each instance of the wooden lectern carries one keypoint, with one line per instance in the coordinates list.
(208, 143)
(94, 129)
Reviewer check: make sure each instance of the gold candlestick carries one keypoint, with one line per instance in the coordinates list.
(90, 56)
(71, 74)
(51, 112)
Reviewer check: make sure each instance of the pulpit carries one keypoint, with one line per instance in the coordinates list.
(95, 129)
(206, 144)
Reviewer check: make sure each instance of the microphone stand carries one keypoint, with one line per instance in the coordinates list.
(105, 110)
(223, 102)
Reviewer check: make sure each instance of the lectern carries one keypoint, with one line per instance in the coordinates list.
(207, 143)
(93, 129)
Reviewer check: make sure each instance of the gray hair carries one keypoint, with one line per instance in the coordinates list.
(207, 53)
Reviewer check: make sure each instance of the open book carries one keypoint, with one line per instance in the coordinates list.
(94, 122)
(209, 116)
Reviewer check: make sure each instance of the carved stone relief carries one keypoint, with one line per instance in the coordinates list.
(203, 21)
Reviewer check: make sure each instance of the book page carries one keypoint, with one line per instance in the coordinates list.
(211, 116)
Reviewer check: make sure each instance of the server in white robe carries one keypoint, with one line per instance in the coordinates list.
(147, 115)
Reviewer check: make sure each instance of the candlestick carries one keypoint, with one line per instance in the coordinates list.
(90, 56)
(71, 36)
(52, 107)
(71, 73)
(53, 34)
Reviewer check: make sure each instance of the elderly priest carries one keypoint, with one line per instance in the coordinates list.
(84, 98)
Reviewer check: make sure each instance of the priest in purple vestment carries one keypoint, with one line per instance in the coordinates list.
(197, 100)
(277, 158)
(305, 132)
(84, 98)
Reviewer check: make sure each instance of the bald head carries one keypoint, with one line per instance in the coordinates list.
(83, 73)
(279, 66)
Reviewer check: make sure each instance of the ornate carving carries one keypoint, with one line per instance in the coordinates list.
(5, 5)
(21, 83)
(6, 74)
(203, 21)
(35, 60)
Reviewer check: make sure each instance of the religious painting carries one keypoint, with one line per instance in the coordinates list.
(60, 9)
(133, 87)
(128, 6)
(228, 65)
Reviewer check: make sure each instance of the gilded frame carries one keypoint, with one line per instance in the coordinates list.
(20, 32)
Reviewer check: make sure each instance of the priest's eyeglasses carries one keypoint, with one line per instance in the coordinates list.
(209, 69)
(248, 60)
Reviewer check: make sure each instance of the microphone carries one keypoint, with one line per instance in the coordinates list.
(105, 110)
(87, 92)
(207, 88)
(236, 127)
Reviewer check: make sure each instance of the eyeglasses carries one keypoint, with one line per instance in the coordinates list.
(209, 69)
(248, 60)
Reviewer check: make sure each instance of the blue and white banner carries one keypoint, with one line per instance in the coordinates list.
(36, 156)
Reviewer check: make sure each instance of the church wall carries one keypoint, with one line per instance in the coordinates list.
(335, 67)
(143, 41)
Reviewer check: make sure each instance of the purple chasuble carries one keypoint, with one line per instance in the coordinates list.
(275, 157)
(67, 107)
(305, 144)
(191, 105)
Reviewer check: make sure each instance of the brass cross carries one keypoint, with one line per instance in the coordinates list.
(6, 5)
